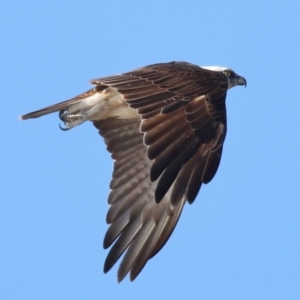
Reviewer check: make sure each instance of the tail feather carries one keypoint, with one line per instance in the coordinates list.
(57, 107)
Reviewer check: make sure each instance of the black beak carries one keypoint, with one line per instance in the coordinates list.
(241, 81)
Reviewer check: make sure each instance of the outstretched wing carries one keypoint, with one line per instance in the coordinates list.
(161, 157)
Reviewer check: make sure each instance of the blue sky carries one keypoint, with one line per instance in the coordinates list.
(241, 237)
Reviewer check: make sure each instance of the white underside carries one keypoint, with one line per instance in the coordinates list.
(102, 105)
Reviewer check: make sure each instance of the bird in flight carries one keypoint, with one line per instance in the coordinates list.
(164, 125)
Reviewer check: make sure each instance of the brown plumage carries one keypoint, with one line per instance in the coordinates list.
(164, 126)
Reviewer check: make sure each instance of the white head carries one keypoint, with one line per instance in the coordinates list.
(233, 79)
(215, 68)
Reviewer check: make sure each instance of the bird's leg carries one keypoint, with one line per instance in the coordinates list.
(70, 120)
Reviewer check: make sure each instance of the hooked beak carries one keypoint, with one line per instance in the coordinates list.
(241, 81)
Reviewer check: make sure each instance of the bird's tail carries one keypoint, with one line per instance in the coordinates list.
(57, 107)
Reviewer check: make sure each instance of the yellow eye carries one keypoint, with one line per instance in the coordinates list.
(227, 73)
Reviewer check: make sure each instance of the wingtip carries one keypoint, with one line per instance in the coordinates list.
(120, 278)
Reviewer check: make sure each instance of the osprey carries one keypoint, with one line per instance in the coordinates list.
(164, 125)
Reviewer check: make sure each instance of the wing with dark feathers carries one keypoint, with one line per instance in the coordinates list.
(161, 160)
(138, 223)
(183, 113)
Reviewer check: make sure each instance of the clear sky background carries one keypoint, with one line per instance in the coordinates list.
(241, 237)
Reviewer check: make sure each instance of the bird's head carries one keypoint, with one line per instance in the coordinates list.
(233, 79)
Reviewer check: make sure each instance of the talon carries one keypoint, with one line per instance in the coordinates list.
(70, 120)
(63, 128)
(61, 115)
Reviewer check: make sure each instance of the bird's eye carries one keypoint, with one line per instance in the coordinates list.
(227, 73)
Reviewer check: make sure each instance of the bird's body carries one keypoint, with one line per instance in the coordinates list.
(165, 125)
